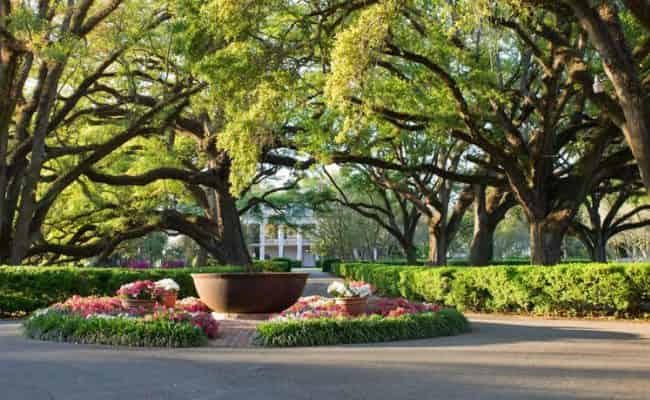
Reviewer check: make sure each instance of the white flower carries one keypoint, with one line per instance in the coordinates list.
(340, 289)
(168, 285)
(337, 289)
(362, 291)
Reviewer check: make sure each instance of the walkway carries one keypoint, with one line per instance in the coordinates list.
(503, 358)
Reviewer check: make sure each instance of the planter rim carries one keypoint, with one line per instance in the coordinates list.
(208, 275)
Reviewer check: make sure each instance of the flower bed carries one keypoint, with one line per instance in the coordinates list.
(319, 320)
(109, 320)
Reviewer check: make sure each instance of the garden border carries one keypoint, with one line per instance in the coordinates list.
(131, 332)
(582, 289)
(370, 329)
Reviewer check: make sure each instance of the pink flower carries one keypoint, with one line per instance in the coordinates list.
(87, 306)
(140, 290)
(323, 307)
(192, 304)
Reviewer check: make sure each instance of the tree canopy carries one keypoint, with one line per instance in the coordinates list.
(122, 118)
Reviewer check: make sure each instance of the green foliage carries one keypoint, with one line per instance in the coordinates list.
(115, 331)
(272, 266)
(24, 289)
(291, 262)
(567, 289)
(316, 332)
(326, 264)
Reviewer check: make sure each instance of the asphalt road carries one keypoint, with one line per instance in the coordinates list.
(503, 358)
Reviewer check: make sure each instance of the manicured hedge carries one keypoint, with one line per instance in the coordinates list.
(274, 265)
(316, 332)
(115, 331)
(567, 289)
(25, 289)
(291, 262)
(326, 264)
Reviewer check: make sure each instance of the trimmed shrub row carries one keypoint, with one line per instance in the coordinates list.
(25, 289)
(275, 265)
(115, 331)
(567, 289)
(317, 332)
(326, 264)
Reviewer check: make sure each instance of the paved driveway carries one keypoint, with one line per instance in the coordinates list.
(503, 358)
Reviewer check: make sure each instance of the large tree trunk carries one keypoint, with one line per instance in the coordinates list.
(410, 252)
(481, 250)
(233, 247)
(546, 241)
(606, 34)
(599, 250)
(438, 242)
(489, 210)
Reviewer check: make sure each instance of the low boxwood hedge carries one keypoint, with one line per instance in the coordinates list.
(326, 331)
(275, 265)
(25, 289)
(115, 331)
(326, 264)
(567, 289)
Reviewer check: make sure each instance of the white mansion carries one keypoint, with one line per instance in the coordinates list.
(281, 236)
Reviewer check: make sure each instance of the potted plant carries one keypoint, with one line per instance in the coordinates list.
(351, 296)
(139, 294)
(168, 292)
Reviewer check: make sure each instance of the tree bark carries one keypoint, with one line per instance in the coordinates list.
(546, 241)
(606, 34)
(489, 210)
(481, 250)
(234, 251)
(438, 242)
(599, 250)
(410, 252)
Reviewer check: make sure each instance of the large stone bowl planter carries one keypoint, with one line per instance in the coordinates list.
(250, 293)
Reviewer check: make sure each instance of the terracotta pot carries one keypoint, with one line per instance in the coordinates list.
(169, 299)
(145, 304)
(250, 293)
(353, 305)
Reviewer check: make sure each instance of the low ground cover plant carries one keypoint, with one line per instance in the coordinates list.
(107, 320)
(317, 320)
(365, 329)
(570, 289)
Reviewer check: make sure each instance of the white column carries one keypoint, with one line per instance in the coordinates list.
(262, 238)
(299, 244)
(374, 254)
(280, 240)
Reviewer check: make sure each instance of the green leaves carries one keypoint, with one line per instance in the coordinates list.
(354, 50)
(325, 331)
(24, 289)
(568, 289)
(115, 331)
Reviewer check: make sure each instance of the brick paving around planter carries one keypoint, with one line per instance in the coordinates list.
(235, 333)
